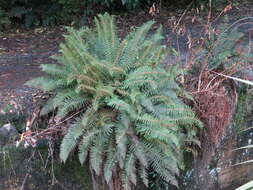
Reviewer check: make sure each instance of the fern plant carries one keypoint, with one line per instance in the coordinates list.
(133, 119)
(227, 48)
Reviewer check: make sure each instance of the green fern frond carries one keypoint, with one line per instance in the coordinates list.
(70, 141)
(119, 105)
(130, 55)
(96, 154)
(130, 168)
(71, 104)
(143, 175)
(47, 83)
(85, 145)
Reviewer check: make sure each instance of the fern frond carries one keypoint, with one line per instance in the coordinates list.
(119, 105)
(47, 83)
(69, 141)
(85, 145)
(143, 175)
(130, 168)
(96, 154)
(55, 70)
(110, 163)
(70, 104)
(136, 38)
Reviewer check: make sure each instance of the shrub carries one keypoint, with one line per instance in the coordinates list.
(46, 13)
(50, 12)
(4, 19)
(131, 118)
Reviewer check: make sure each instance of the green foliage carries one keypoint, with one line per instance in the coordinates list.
(214, 3)
(243, 112)
(4, 19)
(50, 12)
(132, 119)
(46, 13)
(223, 47)
(29, 12)
(109, 3)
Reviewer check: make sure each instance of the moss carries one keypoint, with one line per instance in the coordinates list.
(16, 163)
(82, 173)
(70, 175)
(12, 166)
(243, 115)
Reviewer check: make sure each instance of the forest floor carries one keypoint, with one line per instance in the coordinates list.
(23, 50)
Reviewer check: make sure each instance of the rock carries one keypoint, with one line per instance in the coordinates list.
(37, 169)
(8, 129)
(229, 167)
(7, 134)
(246, 74)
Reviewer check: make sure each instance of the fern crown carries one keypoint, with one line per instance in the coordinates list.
(134, 120)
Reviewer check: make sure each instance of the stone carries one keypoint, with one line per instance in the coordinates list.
(7, 134)
(36, 169)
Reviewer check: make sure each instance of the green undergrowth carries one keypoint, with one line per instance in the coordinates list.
(31, 13)
(243, 116)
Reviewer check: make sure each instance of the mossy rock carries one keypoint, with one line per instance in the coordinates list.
(37, 170)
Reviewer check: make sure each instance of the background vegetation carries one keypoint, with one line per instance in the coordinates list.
(50, 12)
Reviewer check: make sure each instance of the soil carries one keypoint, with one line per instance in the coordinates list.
(21, 53)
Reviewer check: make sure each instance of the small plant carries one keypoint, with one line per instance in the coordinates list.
(129, 115)
(222, 48)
